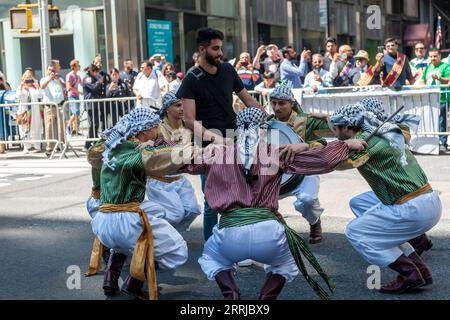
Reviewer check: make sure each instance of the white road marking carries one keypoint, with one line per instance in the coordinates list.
(32, 170)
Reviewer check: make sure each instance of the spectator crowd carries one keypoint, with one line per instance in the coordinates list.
(337, 66)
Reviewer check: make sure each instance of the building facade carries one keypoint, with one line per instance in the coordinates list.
(121, 29)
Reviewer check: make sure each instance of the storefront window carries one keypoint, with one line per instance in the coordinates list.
(5, 5)
(232, 40)
(101, 35)
(268, 34)
(223, 8)
(173, 4)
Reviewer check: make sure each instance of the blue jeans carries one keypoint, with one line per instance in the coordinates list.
(443, 124)
(209, 215)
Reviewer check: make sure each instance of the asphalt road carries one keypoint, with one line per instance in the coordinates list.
(46, 238)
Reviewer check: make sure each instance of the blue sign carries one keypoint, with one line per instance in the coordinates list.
(160, 38)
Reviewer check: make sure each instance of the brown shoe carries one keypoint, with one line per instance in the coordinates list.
(409, 277)
(272, 287)
(112, 274)
(423, 268)
(227, 285)
(315, 233)
(421, 243)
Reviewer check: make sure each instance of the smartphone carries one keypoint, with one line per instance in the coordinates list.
(316, 71)
(380, 49)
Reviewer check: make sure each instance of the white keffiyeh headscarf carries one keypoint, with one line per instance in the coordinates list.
(250, 122)
(139, 119)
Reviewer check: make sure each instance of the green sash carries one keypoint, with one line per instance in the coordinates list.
(297, 246)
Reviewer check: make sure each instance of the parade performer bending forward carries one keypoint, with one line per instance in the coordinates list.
(126, 156)
(174, 194)
(243, 184)
(401, 206)
(407, 123)
(310, 129)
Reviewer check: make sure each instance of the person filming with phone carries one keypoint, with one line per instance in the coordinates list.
(319, 77)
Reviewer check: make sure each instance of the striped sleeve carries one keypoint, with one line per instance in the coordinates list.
(319, 160)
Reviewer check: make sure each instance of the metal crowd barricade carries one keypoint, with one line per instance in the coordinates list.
(96, 116)
(13, 133)
(421, 101)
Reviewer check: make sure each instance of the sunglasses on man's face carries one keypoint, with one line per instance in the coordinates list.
(420, 48)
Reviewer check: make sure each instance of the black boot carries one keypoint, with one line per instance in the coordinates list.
(227, 285)
(409, 277)
(272, 287)
(112, 274)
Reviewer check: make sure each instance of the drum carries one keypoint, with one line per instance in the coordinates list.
(286, 135)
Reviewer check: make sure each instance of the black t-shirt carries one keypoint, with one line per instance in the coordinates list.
(213, 95)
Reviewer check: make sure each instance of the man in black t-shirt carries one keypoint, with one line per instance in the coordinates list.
(207, 94)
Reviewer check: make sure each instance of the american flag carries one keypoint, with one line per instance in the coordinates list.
(438, 36)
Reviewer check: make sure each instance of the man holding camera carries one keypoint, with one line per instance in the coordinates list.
(53, 89)
(291, 73)
(342, 67)
(270, 63)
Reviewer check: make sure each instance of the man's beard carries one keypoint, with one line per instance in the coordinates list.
(210, 59)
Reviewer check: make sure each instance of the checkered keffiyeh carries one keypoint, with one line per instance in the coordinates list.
(250, 122)
(139, 119)
(349, 115)
(284, 92)
(356, 115)
(375, 106)
(169, 99)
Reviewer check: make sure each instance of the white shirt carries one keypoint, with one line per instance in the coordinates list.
(150, 88)
(175, 85)
(324, 75)
(23, 96)
(53, 92)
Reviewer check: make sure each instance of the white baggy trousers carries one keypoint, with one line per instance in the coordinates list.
(307, 202)
(380, 233)
(264, 242)
(120, 231)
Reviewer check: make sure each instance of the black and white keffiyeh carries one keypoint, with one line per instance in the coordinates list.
(356, 115)
(139, 119)
(284, 92)
(250, 122)
(169, 99)
(375, 106)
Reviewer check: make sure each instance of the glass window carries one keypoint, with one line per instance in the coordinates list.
(272, 34)
(64, 4)
(5, 5)
(231, 44)
(101, 36)
(174, 4)
(2, 49)
(222, 8)
(192, 23)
